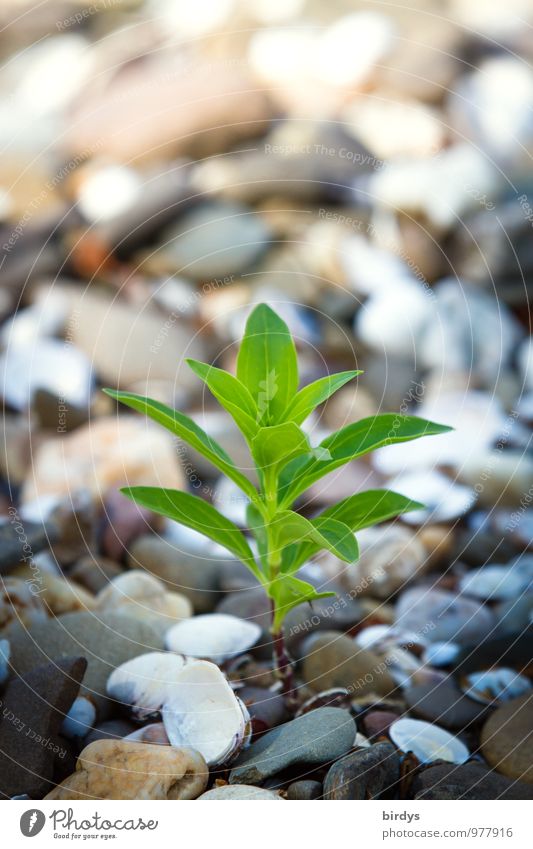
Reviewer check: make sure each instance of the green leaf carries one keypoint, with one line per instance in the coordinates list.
(369, 508)
(290, 527)
(288, 592)
(184, 427)
(231, 394)
(267, 363)
(308, 398)
(195, 513)
(350, 442)
(273, 447)
(339, 535)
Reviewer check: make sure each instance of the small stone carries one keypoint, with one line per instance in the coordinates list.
(469, 781)
(364, 774)
(94, 572)
(390, 557)
(507, 739)
(49, 364)
(145, 599)
(444, 704)
(238, 792)
(333, 660)
(107, 639)
(57, 594)
(122, 521)
(105, 454)
(11, 548)
(122, 769)
(317, 738)
(442, 616)
(186, 572)
(376, 723)
(33, 709)
(236, 237)
(266, 708)
(304, 790)
(20, 602)
(5, 653)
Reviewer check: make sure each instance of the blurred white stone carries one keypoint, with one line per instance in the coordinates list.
(478, 421)
(50, 364)
(108, 192)
(444, 499)
(525, 362)
(351, 47)
(394, 128)
(436, 187)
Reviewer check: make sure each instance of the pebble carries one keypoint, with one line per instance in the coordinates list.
(467, 781)
(495, 583)
(80, 719)
(50, 364)
(441, 616)
(507, 739)
(107, 639)
(145, 599)
(318, 737)
(122, 522)
(58, 595)
(236, 237)
(376, 723)
(389, 557)
(19, 602)
(122, 769)
(105, 454)
(332, 660)
(444, 704)
(364, 774)
(496, 685)
(94, 573)
(305, 789)
(33, 709)
(185, 571)
(444, 499)
(213, 636)
(502, 477)
(266, 708)
(35, 533)
(239, 792)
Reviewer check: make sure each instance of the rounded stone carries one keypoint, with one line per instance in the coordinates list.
(443, 703)
(334, 660)
(304, 790)
(106, 639)
(122, 769)
(440, 616)
(239, 792)
(507, 739)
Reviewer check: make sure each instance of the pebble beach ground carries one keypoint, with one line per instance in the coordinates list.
(365, 171)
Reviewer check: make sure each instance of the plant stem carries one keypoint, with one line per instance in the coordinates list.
(283, 666)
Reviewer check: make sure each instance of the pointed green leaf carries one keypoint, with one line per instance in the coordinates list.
(184, 427)
(290, 527)
(273, 447)
(195, 513)
(288, 592)
(308, 398)
(267, 363)
(341, 539)
(231, 394)
(369, 508)
(350, 442)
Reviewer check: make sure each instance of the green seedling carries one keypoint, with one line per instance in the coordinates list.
(269, 408)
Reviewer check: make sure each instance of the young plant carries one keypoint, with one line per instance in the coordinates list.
(269, 409)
